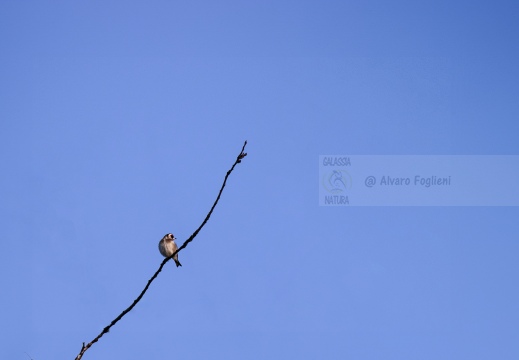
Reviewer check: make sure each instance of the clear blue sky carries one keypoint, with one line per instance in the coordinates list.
(119, 120)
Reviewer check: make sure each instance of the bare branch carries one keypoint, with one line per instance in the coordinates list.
(84, 348)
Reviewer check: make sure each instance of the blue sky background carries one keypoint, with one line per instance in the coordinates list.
(120, 119)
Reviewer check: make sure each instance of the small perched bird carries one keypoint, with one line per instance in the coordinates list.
(167, 247)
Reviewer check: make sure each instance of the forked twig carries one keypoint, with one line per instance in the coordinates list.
(85, 347)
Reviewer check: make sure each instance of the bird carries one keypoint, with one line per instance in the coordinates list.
(167, 247)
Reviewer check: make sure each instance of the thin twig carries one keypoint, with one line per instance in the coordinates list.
(84, 348)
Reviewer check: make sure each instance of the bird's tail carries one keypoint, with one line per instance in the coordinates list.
(177, 262)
